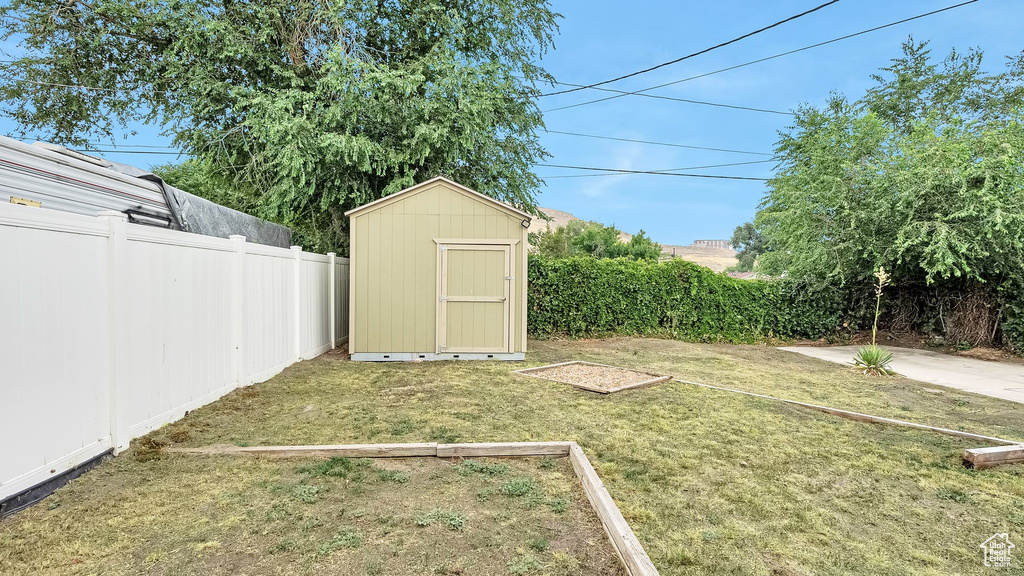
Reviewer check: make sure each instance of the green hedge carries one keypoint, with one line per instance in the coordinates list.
(584, 296)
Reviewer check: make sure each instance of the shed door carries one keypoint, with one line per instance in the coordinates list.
(475, 300)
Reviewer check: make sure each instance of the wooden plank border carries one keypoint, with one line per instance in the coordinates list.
(981, 458)
(858, 416)
(339, 450)
(625, 543)
(657, 377)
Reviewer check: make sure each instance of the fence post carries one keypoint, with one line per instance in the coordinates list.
(331, 271)
(117, 302)
(238, 304)
(297, 254)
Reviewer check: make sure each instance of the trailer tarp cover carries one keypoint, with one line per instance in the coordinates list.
(201, 216)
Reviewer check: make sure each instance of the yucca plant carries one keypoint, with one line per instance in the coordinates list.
(874, 359)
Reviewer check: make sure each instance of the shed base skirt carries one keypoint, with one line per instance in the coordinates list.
(424, 356)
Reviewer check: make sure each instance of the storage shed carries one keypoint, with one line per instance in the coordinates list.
(438, 273)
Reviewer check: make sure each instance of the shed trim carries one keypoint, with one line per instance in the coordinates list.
(381, 202)
(481, 241)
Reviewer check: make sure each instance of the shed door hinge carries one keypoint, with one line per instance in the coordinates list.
(510, 277)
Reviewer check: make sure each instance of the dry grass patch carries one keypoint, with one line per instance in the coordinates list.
(711, 482)
(239, 515)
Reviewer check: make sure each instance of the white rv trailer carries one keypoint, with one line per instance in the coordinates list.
(53, 177)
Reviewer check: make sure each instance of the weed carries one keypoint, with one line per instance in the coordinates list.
(283, 546)
(450, 518)
(484, 494)
(308, 493)
(558, 505)
(278, 511)
(518, 487)
(403, 427)
(345, 537)
(546, 463)
(443, 435)
(564, 563)
(954, 495)
(374, 567)
(338, 467)
(524, 564)
(392, 476)
(540, 544)
(470, 467)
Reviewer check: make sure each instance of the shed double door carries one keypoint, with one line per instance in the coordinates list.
(475, 303)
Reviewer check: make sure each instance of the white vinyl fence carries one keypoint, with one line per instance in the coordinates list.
(109, 330)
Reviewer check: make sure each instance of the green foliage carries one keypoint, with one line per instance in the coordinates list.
(874, 360)
(450, 518)
(749, 244)
(581, 297)
(922, 175)
(311, 107)
(474, 466)
(579, 238)
(346, 537)
(518, 487)
(337, 466)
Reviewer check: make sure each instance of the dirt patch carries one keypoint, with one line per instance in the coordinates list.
(595, 377)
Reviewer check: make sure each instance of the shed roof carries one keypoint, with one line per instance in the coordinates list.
(423, 185)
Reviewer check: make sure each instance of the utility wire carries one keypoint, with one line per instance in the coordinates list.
(655, 172)
(668, 170)
(698, 53)
(676, 99)
(93, 151)
(765, 59)
(658, 143)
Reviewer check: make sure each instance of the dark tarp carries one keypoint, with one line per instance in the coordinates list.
(200, 216)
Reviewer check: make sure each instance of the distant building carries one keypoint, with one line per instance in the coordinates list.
(713, 243)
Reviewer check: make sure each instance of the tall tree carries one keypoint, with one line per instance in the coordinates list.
(315, 107)
(924, 175)
(749, 244)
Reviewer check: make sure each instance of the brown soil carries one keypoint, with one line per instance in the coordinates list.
(587, 375)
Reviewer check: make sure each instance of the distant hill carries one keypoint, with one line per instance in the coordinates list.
(718, 259)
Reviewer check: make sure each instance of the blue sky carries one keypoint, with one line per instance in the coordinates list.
(601, 39)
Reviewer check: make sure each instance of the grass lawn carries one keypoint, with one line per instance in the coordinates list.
(712, 482)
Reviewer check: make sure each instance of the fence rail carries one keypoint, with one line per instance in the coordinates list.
(109, 330)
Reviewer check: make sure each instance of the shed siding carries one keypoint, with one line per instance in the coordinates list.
(394, 259)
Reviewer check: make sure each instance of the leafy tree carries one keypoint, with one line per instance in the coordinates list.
(312, 107)
(749, 244)
(557, 243)
(923, 176)
(579, 238)
(597, 240)
(639, 247)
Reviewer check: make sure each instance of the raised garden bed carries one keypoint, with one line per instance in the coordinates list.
(599, 378)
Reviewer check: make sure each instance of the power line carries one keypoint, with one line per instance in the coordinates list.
(765, 59)
(698, 53)
(83, 87)
(87, 151)
(676, 99)
(655, 172)
(658, 143)
(660, 171)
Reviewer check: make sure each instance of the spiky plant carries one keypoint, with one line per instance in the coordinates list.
(874, 359)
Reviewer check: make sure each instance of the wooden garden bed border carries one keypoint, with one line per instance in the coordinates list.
(625, 543)
(657, 377)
